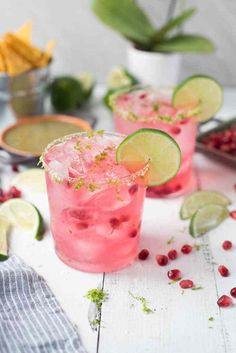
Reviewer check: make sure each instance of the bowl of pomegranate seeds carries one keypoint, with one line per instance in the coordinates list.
(220, 142)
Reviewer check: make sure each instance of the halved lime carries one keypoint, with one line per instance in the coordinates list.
(23, 214)
(153, 148)
(199, 199)
(206, 218)
(4, 226)
(199, 91)
(31, 180)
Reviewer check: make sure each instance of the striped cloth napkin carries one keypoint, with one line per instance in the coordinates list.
(31, 319)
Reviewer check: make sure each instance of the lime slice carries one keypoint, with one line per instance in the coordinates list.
(202, 92)
(4, 226)
(87, 83)
(30, 180)
(120, 77)
(22, 214)
(206, 218)
(199, 199)
(153, 148)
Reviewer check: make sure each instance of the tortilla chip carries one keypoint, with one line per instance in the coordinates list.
(25, 32)
(15, 64)
(2, 60)
(29, 53)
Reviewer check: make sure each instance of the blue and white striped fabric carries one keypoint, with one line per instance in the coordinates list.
(31, 319)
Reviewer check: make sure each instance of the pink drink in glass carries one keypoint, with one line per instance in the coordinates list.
(146, 108)
(95, 204)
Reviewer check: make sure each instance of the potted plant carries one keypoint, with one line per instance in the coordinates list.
(155, 53)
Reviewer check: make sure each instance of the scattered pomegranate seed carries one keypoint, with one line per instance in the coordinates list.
(172, 254)
(233, 214)
(133, 233)
(186, 283)
(15, 168)
(82, 225)
(14, 192)
(142, 96)
(227, 244)
(174, 275)
(233, 292)
(184, 121)
(223, 271)
(186, 249)
(124, 218)
(143, 255)
(224, 301)
(133, 189)
(162, 260)
(114, 222)
(175, 130)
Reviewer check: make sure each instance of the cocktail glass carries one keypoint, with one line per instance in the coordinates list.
(148, 108)
(95, 204)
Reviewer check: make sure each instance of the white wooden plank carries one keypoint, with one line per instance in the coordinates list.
(68, 285)
(180, 323)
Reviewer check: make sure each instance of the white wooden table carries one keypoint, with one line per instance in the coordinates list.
(180, 323)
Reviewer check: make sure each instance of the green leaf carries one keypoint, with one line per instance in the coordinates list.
(173, 23)
(127, 18)
(186, 44)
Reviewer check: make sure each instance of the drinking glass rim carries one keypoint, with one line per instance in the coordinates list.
(125, 179)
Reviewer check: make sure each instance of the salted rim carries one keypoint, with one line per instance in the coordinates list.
(129, 115)
(131, 177)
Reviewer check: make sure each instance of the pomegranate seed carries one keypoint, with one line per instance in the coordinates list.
(233, 292)
(184, 121)
(162, 260)
(172, 254)
(124, 218)
(224, 301)
(175, 130)
(227, 244)
(186, 283)
(15, 168)
(186, 249)
(223, 271)
(133, 233)
(14, 192)
(143, 255)
(233, 214)
(174, 275)
(133, 189)
(82, 225)
(114, 222)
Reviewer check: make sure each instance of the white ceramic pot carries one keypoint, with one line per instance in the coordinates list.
(152, 68)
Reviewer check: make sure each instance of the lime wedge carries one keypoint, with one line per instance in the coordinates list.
(206, 218)
(4, 226)
(31, 180)
(22, 214)
(199, 199)
(153, 148)
(200, 92)
(120, 77)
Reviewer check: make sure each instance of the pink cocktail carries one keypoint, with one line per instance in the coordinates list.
(146, 108)
(95, 204)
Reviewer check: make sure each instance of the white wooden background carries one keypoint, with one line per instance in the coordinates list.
(180, 322)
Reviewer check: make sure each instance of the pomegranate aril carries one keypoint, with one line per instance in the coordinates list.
(224, 301)
(162, 260)
(14, 192)
(233, 214)
(186, 249)
(174, 275)
(233, 292)
(172, 254)
(186, 283)
(143, 255)
(15, 168)
(175, 130)
(133, 233)
(82, 225)
(114, 222)
(124, 218)
(223, 271)
(133, 189)
(227, 244)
